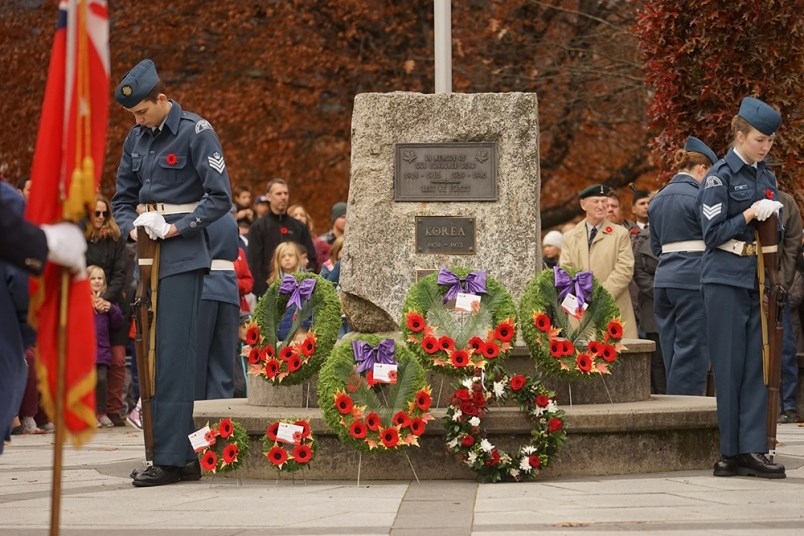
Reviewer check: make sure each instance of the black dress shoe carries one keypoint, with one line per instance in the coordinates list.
(726, 466)
(157, 475)
(191, 471)
(757, 464)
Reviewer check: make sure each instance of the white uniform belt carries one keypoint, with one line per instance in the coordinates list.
(222, 264)
(684, 245)
(738, 247)
(167, 209)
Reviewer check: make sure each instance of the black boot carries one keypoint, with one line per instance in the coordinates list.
(726, 466)
(757, 464)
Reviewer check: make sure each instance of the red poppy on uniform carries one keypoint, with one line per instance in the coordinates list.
(283, 230)
(768, 193)
(171, 159)
(608, 229)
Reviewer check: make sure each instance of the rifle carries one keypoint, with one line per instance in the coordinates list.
(144, 306)
(772, 327)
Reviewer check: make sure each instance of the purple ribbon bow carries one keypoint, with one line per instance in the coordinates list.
(564, 283)
(474, 283)
(299, 292)
(367, 357)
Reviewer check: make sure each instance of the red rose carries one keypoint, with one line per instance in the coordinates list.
(358, 430)
(542, 322)
(283, 230)
(171, 159)
(401, 419)
(542, 401)
(446, 343)
(225, 428)
(344, 403)
(277, 456)
(430, 344)
(415, 321)
(491, 350)
(768, 193)
(479, 399)
(389, 437)
(459, 358)
(608, 353)
(462, 394)
(504, 332)
(230, 454)
(534, 461)
(373, 421)
(554, 425)
(209, 460)
(423, 400)
(272, 430)
(302, 453)
(494, 460)
(467, 408)
(467, 441)
(417, 426)
(252, 335)
(518, 382)
(615, 330)
(584, 362)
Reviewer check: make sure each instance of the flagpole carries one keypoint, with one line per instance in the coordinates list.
(58, 448)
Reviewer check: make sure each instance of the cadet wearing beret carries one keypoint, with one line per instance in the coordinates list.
(738, 190)
(676, 239)
(172, 164)
(604, 248)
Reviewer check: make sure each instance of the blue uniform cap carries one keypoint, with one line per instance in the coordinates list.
(694, 145)
(761, 116)
(137, 84)
(594, 190)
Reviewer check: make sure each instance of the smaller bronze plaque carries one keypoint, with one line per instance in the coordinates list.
(446, 235)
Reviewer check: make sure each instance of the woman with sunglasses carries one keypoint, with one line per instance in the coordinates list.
(106, 248)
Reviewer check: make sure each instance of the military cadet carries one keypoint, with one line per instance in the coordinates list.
(676, 239)
(603, 247)
(219, 315)
(738, 190)
(171, 158)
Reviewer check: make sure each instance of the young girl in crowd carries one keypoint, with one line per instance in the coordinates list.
(108, 317)
(287, 260)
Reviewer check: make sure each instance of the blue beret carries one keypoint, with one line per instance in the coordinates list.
(695, 145)
(594, 190)
(761, 116)
(137, 84)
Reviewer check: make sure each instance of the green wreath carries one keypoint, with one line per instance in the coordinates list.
(458, 343)
(302, 449)
(227, 442)
(467, 439)
(293, 360)
(369, 415)
(565, 348)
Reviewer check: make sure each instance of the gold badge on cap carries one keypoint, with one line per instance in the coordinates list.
(126, 91)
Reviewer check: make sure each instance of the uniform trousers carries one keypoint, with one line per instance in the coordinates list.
(680, 317)
(218, 330)
(176, 342)
(735, 341)
(789, 363)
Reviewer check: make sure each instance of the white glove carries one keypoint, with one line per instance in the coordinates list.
(765, 207)
(66, 245)
(154, 223)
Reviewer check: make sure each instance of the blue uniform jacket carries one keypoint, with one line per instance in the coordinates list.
(730, 187)
(674, 217)
(221, 285)
(182, 164)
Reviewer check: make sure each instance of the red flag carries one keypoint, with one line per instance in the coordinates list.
(68, 160)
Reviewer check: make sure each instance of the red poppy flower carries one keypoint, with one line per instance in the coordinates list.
(344, 403)
(446, 343)
(283, 230)
(370, 378)
(209, 460)
(267, 352)
(635, 231)
(567, 348)
(491, 350)
(430, 344)
(252, 335)
(476, 344)
(286, 353)
(271, 368)
(294, 363)
(494, 460)
(306, 427)
(171, 159)
(271, 431)
(467, 441)
(608, 229)
(373, 421)
(584, 362)
(615, 330)
(302, 454)
(467, 408)
(479, 399)
(277, 456)
(358, 429)
(608, 353)
(423, 400)
(518, 382)
(211, 436)
(389, 437)
(254, 356)
(554, 425)
(415, 322)
(768, 193)
(417, 426)
(459, 358)
(556, 348)
(308, 346)
(542, 322)
(401, 419)
(542, 401)
(534, 461)
(462, 394)
(504, 332)
(391, 376)
(594, 347)
(225, 428)
(230, 453)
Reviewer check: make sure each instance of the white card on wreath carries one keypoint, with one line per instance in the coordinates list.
(572, 307)
(464, 302)
(198, 439)
(287, 433)
(384, 373)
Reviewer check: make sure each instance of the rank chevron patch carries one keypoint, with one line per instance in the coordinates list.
(216, 162)
(712, 211)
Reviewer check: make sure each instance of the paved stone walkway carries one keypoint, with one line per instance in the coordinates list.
(98, 499)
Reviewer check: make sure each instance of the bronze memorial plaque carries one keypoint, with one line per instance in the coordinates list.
(446, 235)
(445, 171)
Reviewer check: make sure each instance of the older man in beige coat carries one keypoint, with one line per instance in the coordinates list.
(604, 248)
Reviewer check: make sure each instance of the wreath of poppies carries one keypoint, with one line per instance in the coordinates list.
(369, 414)
(228, 445)
(458, 343)
(561, 345)
(289, 456)
(467, 439)
(293, 360)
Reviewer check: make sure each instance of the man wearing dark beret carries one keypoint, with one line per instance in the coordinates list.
(172, 181)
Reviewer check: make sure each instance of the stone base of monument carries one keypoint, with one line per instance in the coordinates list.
(614, 426)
